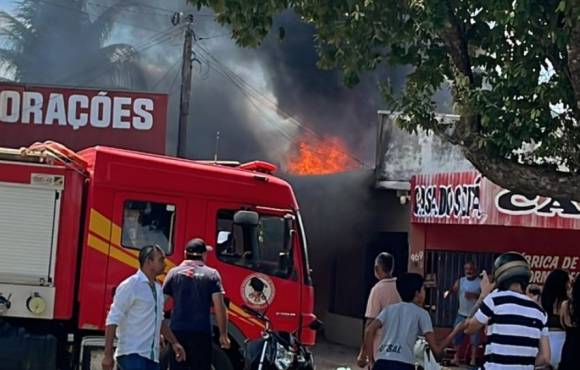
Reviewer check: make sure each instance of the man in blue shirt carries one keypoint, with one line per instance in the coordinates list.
(194, 288)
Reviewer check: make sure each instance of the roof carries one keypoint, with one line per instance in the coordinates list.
(131, 169)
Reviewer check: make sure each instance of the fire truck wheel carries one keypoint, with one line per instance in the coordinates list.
(220, 360)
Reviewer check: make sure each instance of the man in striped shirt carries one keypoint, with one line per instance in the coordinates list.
(517, 336)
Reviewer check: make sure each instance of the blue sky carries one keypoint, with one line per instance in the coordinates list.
(7, 5)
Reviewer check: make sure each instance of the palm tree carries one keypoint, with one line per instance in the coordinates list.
(57, 42)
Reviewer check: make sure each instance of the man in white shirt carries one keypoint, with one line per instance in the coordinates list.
(136, 316)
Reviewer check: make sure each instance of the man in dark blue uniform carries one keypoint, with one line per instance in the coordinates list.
(194, 288)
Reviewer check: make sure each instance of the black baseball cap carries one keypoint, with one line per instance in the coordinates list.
(196, 247)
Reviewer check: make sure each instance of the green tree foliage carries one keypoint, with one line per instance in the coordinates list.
(58, 42)
(513, 66)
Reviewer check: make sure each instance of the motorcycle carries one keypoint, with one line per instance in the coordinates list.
(276, 350)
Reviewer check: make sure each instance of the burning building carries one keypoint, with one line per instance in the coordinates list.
(270, 103)
(314, 156)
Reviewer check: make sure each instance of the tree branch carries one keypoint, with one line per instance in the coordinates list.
(527, 180)
(574, 57)
(539, 179)
(455, 38)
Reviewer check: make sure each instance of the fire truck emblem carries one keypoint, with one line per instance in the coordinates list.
(258, 291)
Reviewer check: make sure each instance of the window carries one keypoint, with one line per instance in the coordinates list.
(148, 223)
(452, 263)
(266, 248)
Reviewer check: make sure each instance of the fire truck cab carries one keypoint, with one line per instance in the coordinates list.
(71, 225)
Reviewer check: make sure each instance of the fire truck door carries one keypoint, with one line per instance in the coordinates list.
(260, 271)
(142, 219)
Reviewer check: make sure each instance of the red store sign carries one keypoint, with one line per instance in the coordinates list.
(80, 118)
(469, 198)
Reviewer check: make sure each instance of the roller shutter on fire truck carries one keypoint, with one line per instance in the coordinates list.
(28, 234)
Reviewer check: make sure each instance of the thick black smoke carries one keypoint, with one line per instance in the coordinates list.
(284, 72)
(342, 212)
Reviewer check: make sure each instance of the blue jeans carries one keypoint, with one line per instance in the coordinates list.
(136, 362)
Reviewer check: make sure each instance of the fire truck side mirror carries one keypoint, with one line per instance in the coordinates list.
(316, 325)
(246, 218)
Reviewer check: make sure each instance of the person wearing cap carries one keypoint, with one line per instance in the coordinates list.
(517, 332)
(194, 288)
(136, 317)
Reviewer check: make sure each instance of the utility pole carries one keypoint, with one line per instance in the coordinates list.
(185, 87)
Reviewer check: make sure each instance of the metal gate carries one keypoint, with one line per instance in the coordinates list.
(446, 267)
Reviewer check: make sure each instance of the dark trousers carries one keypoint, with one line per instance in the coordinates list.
(392, 365)
(197, 350)
(136, 362)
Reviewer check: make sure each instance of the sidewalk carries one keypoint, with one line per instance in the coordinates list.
(331, 356)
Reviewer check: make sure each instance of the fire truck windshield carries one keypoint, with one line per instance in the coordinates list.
(265, 248)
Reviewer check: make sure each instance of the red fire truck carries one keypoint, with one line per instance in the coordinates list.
(71, 224)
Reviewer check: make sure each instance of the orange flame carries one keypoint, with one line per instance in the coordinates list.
(320, 157)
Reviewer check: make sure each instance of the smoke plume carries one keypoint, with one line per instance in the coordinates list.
(251, 124)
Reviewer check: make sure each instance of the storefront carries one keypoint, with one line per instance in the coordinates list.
(457, 217)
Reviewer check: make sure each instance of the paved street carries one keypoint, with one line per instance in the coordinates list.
(330, 356)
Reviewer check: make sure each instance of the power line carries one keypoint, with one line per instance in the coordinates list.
(139, 47)
(128, 9)
(214, 36)
(176, 64)
(252, 98)
(242, 84)
(177, 73)
(252, 101)
(161, 11)
(170, 11)
(80, 11)
(145, 45)
(108, 67)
